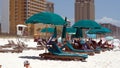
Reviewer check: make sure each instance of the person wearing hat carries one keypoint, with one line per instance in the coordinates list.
(27, 64)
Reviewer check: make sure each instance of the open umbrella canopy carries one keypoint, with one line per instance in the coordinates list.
(64, 31)
(46, 18)
(86, 24)
(109, 38)
(49, 29)
(71, 30)
(79, 33)
(55, 32)
(102, 30)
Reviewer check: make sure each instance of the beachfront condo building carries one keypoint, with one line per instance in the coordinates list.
(50, 6)
(84, 9)
(15, 12)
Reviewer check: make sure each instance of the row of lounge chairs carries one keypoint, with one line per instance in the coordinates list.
(13, 47)
(56, 53)
(68, 51)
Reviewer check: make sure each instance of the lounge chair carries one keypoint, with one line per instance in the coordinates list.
(56, 53)
(93, 46)
(89, 52)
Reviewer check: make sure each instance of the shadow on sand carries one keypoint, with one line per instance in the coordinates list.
(31, 57)
(38, 58)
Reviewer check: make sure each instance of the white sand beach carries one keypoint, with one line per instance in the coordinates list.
(107, 59)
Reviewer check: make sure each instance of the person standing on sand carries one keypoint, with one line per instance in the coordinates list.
(27, 64)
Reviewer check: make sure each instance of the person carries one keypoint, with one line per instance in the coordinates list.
(100, 43)
(59, 41)
(105, 44)
(27, 64)
(0, 66)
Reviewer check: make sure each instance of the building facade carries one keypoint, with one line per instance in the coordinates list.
(115, 30)
(20, 10)
(15, 12)
(84, 9)
(50, 6)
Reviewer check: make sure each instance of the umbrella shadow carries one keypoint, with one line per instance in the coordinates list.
(31, 57)
(39, 58)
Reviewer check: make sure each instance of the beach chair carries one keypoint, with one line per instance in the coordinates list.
(93, 47)
(71, 49)
(56, 53)
(9, 45)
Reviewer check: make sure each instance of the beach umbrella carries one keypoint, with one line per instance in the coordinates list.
(79, 33)
(64, 29)
(102, 30)
(71, 30)
(86, 24)
(49, 29)
(55, 32)
(109, 38)
(46, 18)
(91, 36)
(64, 32)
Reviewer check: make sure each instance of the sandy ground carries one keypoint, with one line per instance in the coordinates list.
(107, 59)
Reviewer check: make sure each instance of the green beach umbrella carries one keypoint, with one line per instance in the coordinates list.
(86, 24)
(49, 29)
(64, 29)
(109, 38)
(46, 18)
(102, 30)
(71, 30)
(55, 32)
(79, 33)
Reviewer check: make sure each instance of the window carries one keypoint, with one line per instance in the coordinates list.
(20, 28)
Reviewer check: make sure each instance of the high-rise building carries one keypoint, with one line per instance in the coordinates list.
(50, 6)
(17, 11)
(84, 9)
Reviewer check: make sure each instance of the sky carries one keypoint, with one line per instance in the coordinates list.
(103, 8)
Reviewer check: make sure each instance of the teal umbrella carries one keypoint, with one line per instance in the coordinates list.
(49, 29)
(55, 32)
(91, 36)
(71, 30)
(64, 32)
(102, 30)
(109, 38)
(79, 33)
(46, 18)
(86, 24)
(64, 29)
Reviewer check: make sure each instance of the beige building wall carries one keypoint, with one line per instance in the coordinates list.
(84, 9)
(20, 10)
